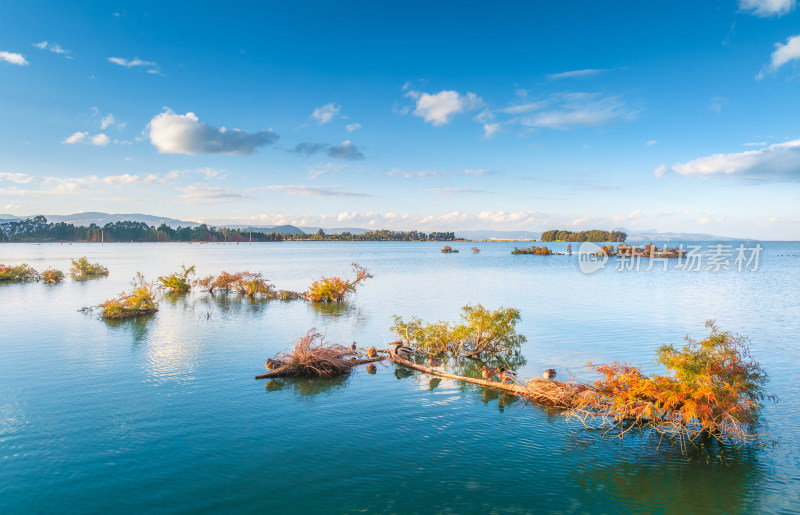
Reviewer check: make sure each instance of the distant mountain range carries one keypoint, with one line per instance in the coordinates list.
(100, 219)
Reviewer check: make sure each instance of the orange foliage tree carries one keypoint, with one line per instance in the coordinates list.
(715, 390)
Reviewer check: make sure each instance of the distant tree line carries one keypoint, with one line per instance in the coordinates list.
(38, 229)
(593, 235)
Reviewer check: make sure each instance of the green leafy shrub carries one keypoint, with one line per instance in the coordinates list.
(336, 289)
(178, 282)
(480, 331)
(82, 270)
(19, 273)
(141, 301)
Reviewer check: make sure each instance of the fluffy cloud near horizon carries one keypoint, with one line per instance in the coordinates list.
(173, 133)
(440, 108)
(767, 8)
(776, 163)
(13, 58)
(782, 55)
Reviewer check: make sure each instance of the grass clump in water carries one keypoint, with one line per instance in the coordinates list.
(178, 282)
(141, 301)
(82, 270)
(18, 274)
(336, 289)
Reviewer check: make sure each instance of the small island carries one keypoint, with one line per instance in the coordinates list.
(533, 250)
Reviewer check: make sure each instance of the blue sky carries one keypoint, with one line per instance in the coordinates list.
(676, 116)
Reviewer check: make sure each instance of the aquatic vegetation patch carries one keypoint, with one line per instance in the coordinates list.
(140, 301)
(18, 274)
(52, 276)
(178, 282)
(336, 289)
(533, 250)
(447, 249)
(313, 356)
(479, 331)
(714, 389)
(82, 270)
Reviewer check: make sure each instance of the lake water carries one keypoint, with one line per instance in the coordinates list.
(163, 414)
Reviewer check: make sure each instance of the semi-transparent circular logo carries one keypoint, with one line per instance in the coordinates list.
(591, 258)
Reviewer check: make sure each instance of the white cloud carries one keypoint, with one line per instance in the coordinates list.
(416, 175)
(198, 194)
(173, 133)
(152, 67)
(345, 150)
(13, 207)
(18, 178)
(326, 113)
(480, 172)
(783, 54)
(450, 191)
(305, 190)
(568, 110)
(755, 144)
(580, 221)
(98, 140)
(350, 127)
(766, 8)
(53, 47)
(490, 129)
(106, 121)
(775, 163)
(717, 103)
(633, 215)
(13, 58)
(440, 108)
(651, 142)
(589, 72)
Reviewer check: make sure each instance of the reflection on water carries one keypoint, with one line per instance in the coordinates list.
(137, 327)
(308, 387)
(126, 404)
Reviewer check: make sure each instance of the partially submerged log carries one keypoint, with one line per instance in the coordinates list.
(290, 371)
(539, 391)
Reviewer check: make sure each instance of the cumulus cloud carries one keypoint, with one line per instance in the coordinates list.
(13, 207)
(305, 190)
(18, 178)
(173, 133)
(11, 57)
(440, 108)
(576, 74)
(308, 148)
(782, 55)
(350, 127)
(326, 113)
(345, 150)
(767, 8)
(53, 47)
(98, 140)
(776, 163)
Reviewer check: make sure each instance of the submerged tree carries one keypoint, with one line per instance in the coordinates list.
(52, 276)
(480, 331)
(336, 289)
(141, 301)
(19, 273)
(82, 270)
(178, 282)
(715, 389)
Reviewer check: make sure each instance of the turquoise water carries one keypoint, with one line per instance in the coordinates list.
(163, 414)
